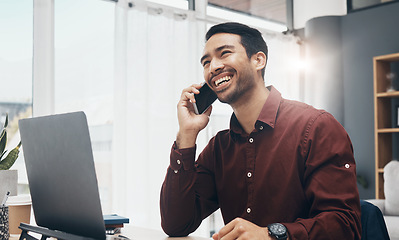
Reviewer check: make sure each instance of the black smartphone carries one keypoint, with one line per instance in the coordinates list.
(204, 99)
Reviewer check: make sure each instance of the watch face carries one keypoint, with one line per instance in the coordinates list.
(278, 230)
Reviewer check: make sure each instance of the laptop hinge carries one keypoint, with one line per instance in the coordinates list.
(47, 233)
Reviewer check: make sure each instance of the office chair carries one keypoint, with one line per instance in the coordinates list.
(373, 224)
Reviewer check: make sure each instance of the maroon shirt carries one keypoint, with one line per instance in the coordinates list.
(296, 168)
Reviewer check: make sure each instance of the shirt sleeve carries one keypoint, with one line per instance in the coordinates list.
(188, 193)
(329, 184)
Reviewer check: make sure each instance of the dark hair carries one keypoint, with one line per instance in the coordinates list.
(251, 38)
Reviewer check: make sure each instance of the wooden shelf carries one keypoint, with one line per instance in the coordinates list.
(393, 57)
(383, 118)
(388, 94)
(388, 130)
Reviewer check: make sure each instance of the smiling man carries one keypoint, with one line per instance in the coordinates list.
(283, 170)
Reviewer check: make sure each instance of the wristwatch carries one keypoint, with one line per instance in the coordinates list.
(277, 230)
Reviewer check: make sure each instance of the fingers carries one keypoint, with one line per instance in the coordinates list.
(215, 236)
(190, 124)
(241, 229)
(188, 93)
(228, 231)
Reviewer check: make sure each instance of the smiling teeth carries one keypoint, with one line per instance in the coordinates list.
(221, 80)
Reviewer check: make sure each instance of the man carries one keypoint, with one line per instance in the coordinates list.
(283, 170)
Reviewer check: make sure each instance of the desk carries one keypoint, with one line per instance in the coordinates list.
(143, 234)
(138, 233)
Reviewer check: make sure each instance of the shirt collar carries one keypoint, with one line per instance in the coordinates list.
(268, 115)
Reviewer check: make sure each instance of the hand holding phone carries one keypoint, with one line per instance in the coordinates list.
(204, 99)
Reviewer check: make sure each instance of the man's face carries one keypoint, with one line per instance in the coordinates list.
(227, 69)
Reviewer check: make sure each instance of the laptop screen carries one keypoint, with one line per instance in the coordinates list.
(61, 174)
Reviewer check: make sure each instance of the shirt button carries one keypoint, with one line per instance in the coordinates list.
(347, 165)
(261, 128)
(176, 171)
(249, 174)
(248, 210)
(251, 140)
(178, 162)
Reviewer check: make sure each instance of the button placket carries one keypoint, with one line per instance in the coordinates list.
(250, 170)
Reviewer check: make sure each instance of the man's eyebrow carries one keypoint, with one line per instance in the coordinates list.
(203, 57)
(223, 47)
(217, 50)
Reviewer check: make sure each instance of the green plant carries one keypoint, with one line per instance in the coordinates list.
(9, 160)
(362, 181)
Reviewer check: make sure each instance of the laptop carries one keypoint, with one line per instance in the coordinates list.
(61, 174)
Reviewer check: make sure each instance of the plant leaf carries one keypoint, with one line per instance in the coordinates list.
(6, 122)
(3, 141)
(1, 156)
(10, 159)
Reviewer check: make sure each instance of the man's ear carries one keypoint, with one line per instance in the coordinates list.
(259, 59)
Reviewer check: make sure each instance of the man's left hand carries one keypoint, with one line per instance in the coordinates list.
(242, 229)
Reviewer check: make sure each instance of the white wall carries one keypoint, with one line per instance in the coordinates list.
(308, 9)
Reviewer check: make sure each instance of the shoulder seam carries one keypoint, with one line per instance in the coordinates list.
(309, 127)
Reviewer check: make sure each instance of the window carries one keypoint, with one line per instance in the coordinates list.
(16, 28)
(84, 69)
(354, 5)
(180, 4)
(272, 10)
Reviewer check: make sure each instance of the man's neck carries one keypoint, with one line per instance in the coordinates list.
(247, 110)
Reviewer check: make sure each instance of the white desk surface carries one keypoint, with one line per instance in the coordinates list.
(137, 233)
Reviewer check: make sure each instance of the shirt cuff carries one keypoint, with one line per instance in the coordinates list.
(296, 230)
(182, 158)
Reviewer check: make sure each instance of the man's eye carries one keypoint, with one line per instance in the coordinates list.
(225, 52)
(205, 63)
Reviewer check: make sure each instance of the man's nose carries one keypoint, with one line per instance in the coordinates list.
(215, 66)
